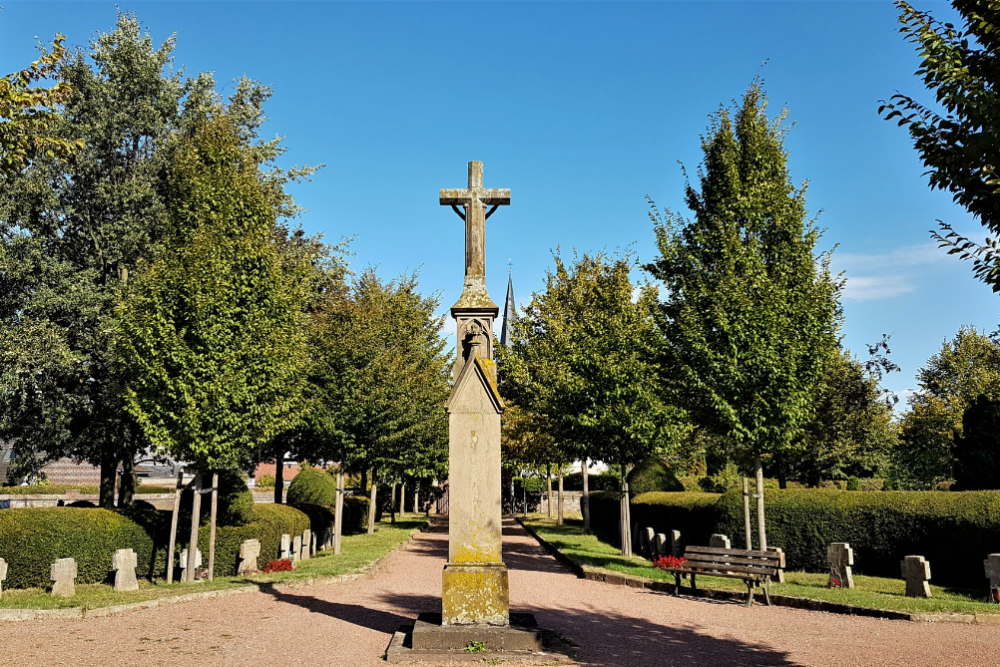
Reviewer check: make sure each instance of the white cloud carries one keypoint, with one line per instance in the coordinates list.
(907, 256)
(870, 288)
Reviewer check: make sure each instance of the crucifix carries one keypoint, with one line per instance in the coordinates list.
(474, 200)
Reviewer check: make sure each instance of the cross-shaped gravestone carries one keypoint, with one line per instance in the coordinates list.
(675, 543)
(840, 558)
(184, 563)
(286, 547)
(3, 574)
(63, 573)
(296, 548)
(648, 537)
(718, 540)
(123, 562)
(474, 200)
(249, 551)
(661, 545)
(916, 570)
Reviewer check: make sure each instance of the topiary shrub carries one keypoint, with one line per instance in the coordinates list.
(235, 501)
(31, 539)
(267, 523)
(355, 514)
(312, 487)
(853, 483)
(652, 475)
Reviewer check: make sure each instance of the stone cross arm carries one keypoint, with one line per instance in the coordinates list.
(463, 196)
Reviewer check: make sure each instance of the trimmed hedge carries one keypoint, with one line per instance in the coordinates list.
(268, 522)
(31, 539)
(954, 531)
(235, 501)
(312, 486)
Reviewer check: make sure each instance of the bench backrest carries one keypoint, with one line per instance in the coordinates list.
(734, 560)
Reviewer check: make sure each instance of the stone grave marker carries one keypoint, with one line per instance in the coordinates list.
(3, 574)
(63, 574)
(648, 537)
(124, 563)
(285, 552)
(184, 563)
(840, 557)
(992, 565)
(313, 544)
(675, 543)
(917, 571)
(327, 537)
(719, 540)
(306, 542)
(249, 551)
(296, 548)
(661, 545)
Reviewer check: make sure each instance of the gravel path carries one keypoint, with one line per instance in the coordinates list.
(350, 624)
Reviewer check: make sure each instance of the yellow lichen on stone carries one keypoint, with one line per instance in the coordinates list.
(475, 595)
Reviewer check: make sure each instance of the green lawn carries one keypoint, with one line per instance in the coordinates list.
(357, 552)
(872, 592)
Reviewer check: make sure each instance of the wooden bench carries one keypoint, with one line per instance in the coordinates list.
(755, 568)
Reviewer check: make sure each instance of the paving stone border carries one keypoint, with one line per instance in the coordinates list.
(622, 579)
(15, 614)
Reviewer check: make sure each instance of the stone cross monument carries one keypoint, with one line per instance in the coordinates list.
(474, 582)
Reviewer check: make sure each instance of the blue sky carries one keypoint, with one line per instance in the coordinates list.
(581, 109)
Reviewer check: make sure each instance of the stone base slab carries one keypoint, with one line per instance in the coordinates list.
(427, 641)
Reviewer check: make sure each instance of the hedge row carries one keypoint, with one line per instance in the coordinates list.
(322, 517)
(954, 531)
(31, 539)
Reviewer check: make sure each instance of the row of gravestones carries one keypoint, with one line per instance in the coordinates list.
(63, 572)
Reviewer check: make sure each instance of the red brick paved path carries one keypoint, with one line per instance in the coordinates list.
(350, 624)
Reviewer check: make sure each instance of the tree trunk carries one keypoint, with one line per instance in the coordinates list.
(762, 532)
(402, 499)
(746, 513)
(559, 519)
(109, 470)
(279, 478)
(211, 529)
(371, 508)
(585, 498)
(126, 487)
(416, 497)
(173, 528)
(624, 520)
(782, 474)
(392, 502)
(548, 482)
(338, 523)
(193, 536)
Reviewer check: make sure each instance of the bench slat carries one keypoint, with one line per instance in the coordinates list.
(732, 552)
(735, 560)
(707, 567)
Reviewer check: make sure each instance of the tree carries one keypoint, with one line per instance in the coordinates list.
(27, 114)
(380, 381)
(750, 314)
(211, 335)
(965, 368)
(581, 356)
(959, 142)
(977, 449)
(851, 432)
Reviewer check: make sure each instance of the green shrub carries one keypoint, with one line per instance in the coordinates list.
(652, 475)
(853, 483)
(534, 485)
(267, 523)
(312, 486)
(355, 514)
(266, 482)
(727, 478)
(46, 489)
(235, 501)
(31, 539)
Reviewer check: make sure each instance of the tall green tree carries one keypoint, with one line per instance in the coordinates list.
(965, 368)
(211, 335)
(582, 356)
(959, 138)
(749, 315)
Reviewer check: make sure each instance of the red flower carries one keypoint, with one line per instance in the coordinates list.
(284, 565)
(834, 582)
(669, 562)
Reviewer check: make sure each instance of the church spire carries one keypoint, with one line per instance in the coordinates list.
(508, 309)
